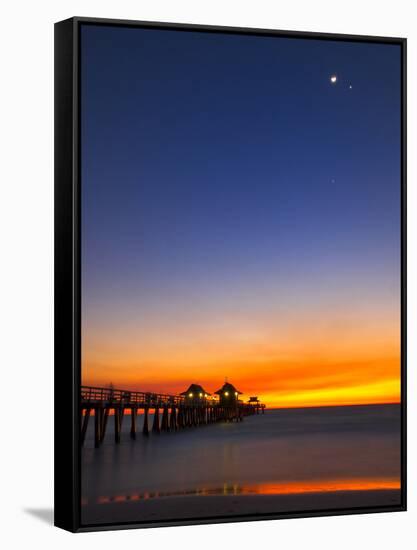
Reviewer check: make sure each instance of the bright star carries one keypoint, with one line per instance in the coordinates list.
(333, 79)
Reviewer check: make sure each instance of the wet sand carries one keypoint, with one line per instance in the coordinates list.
(200, 507)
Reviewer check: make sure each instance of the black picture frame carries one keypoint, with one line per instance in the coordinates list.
(67, 491)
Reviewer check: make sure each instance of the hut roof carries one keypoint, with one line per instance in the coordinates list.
(195, 389)
(227, 387)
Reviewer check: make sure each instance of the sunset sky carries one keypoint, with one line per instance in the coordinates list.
(241, 215)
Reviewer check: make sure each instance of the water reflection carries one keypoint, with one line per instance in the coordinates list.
(281, 452)
(271, 488)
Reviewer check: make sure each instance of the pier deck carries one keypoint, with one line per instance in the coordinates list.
(170, 412)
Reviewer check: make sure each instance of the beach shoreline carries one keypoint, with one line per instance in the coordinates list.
(199, 507)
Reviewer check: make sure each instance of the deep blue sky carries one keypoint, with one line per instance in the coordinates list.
(215, 162)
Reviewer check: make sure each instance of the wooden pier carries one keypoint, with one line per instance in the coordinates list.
(170, 412)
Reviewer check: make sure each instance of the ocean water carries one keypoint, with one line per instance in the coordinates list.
(282, 451)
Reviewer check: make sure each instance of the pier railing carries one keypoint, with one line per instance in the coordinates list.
(92, 395)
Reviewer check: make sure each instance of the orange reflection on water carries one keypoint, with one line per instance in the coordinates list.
(270, 488)
(322, 486)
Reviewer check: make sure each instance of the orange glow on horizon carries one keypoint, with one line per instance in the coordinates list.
(279, 386)
(326, 357)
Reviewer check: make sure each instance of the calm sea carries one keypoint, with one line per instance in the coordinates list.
(283, 451)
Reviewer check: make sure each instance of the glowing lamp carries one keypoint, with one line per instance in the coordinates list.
(226, 393)
(190, 395)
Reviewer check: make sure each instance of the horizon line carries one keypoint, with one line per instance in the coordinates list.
(326, 406)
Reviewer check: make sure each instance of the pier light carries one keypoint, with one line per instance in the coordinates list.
(228, 394)
(194, 391)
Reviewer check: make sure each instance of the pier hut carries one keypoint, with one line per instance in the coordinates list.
(254, 402)
(228, 394)
(195, 394)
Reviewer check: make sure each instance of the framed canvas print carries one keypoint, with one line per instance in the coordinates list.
(230, 274)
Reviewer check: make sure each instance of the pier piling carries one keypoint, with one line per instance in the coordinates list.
(117, 425)
(133, 412)
(104, 420)
(84, 424)
(173, 420)
(97, 427)
(145, 429)
(155, 424)
(164, 423)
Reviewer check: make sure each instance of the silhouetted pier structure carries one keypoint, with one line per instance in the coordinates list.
(254, 402)
(170, 412)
